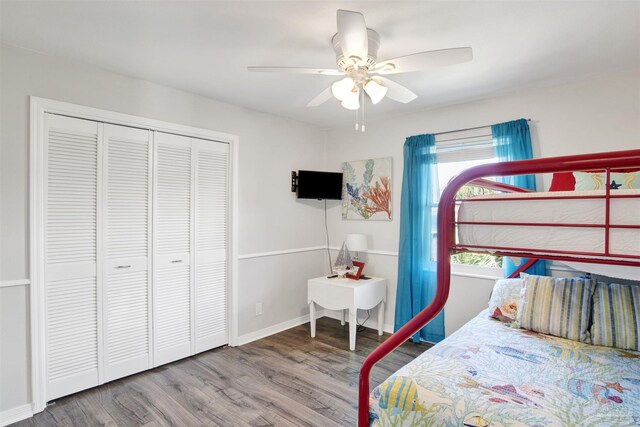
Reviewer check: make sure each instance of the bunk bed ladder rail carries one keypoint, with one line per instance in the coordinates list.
(446, 240)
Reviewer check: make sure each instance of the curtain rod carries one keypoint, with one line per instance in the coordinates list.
(463, 130)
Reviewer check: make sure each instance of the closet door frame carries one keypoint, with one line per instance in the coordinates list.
(37, 186)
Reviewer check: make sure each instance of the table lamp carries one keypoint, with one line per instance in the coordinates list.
(357, 243)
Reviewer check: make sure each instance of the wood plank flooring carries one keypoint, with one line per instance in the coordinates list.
(288, 379)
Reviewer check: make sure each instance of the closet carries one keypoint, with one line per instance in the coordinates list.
(135, 227)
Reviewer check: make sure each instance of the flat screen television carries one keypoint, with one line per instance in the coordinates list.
(319, 185)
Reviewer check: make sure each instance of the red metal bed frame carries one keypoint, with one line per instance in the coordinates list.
(446, 244)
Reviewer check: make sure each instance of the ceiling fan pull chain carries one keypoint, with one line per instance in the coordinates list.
(356, 127)
(362, 118)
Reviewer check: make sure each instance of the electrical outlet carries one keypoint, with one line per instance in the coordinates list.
(258, 309)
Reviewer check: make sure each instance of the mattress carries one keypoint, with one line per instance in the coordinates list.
(489, 374)
(527, 208)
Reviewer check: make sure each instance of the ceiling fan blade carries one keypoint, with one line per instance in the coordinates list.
(296, 70)
(322, 97)
(352, 32)
(424, 60)
(396, 91)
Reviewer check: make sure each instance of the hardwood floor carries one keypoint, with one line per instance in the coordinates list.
(288, 379)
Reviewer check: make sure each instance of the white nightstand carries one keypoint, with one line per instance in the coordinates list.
(347, 294)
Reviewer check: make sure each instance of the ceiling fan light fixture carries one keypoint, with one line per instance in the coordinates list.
(375, 91)
(342, 88)
(352, 101)
(356, 51)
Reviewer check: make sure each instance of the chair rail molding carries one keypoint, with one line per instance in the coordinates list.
(16, 282)
(371, 251)
(281, 252)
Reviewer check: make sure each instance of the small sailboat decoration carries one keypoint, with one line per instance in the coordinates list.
(343, 263)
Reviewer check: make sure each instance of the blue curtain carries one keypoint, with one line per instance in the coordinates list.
(416, 271)
(512, 141)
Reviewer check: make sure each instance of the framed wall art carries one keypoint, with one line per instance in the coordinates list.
(366, 193)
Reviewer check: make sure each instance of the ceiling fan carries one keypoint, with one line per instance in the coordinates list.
(356, 48)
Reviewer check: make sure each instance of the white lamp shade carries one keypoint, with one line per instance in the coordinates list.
(375, 91)
(352, 102)
(342, 88)
(357, 242)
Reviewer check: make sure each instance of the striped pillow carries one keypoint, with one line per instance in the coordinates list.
(616, 316)
(556, 306)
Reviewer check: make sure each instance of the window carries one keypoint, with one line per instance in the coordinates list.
(456, 152)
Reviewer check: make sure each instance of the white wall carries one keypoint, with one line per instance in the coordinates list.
(14, 360)
(270, 218)
(591, 116)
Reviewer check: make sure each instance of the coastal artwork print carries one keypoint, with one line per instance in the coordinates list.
(366, 193)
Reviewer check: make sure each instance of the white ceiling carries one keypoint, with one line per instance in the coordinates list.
(205, 47)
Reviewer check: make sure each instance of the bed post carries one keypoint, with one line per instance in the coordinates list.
(446, 239)
(403, 334)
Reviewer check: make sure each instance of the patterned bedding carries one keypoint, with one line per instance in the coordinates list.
(489, 374)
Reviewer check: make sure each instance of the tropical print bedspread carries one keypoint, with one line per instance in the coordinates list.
(489, 374)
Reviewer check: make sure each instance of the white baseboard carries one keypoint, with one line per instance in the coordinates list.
(271, 330)
(13, 415)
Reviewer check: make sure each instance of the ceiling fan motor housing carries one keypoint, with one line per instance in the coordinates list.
(372, 56)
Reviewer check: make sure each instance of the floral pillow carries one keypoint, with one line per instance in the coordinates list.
(503, 304)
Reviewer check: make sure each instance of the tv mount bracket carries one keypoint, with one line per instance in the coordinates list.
(294, 181)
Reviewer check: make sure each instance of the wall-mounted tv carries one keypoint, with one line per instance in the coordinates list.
(318, 185)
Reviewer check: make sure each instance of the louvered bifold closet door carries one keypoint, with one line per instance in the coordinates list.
(211, 198)
(172, 247)
(72, 280)
(127, 241)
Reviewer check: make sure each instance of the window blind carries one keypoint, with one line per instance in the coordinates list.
(475, 144)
